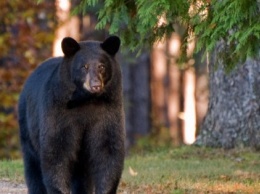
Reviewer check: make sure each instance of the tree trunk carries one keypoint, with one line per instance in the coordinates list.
(233, 116)
(174, 90)
(201, 90)
(68, 26)
(189, 125)
(174, 104)
(158, 80)
(136, 85)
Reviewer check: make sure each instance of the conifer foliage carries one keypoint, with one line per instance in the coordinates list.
(140, 23)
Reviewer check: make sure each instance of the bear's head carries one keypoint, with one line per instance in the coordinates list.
(92, 64)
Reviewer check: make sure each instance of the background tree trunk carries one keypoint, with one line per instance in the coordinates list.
(136, 85)
(189, 124)
(174, 97)
(233, 116)
(158, 81)
(202, 89)
(174, 104)
(68, 25)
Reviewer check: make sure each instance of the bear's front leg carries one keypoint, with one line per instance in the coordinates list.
(56, 171)
(107, 174)
(58, 155)
(107, 160)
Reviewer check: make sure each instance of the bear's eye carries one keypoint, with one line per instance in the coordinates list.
(86, 66)
(101, 67)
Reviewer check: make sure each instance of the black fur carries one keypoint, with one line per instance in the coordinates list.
(73, 138)
(111, 45)
(69, 46)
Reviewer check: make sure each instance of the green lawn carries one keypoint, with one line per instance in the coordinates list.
(179, 170)
(11, 170)
(192, 170)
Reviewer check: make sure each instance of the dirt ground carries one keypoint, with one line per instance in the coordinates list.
(7, 187)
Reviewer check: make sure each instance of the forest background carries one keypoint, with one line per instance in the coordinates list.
(166, 86)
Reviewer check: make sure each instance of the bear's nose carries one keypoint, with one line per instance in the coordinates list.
(95, 89)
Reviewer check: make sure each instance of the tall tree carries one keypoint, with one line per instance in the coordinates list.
(233, 113)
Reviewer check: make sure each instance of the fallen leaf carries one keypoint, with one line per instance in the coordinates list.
(132, 172)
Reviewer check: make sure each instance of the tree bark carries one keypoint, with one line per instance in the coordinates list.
(233, 116)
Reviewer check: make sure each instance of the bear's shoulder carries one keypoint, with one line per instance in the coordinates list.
(45, 72)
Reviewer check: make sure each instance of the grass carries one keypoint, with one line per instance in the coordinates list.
(179, 170)
(192, 170)
(11, 170)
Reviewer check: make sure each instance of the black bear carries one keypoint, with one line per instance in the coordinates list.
(71, 121)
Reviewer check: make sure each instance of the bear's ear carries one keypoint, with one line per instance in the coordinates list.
(111, 45)
(69, 46)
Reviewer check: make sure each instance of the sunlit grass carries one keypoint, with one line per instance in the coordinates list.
(192, 170)
(11, 170)
(177, 171)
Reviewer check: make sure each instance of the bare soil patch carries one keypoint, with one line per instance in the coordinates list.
(7, 187)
